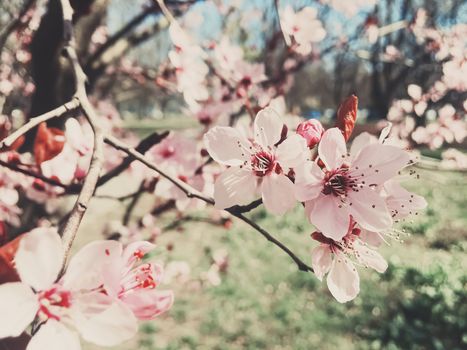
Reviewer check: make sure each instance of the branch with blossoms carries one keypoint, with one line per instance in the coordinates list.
(350, 194)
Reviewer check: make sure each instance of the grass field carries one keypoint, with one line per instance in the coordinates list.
(264, 302)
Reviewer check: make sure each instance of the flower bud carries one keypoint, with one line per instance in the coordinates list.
(311, 130)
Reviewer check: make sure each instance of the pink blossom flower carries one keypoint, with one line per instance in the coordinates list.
(135, 284)
(166, 189)
(349, 8)
(418, 99)
(334, 259)
(73, 303)
(227, 55)
(312, 131)
(9, 197)
(347, 188)
(41, 192)
(174, 150)
(191, 70)
(258, 165)
(401, 202)
(303, 27)
(246, 76)
(64, 166)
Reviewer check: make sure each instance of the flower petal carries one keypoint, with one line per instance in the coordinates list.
(148, 304)
(362, 140)
(321, 260)
(135, 250)
(18, 307)
(308, 181)
(369, 209)
(268, 127)
(235, 186)
(292, 152)
(278, 193)
(328, 218)
(54, 336)
(226, 145)
(377, 163)
(85, 268)
(402, 202)
(110, 327)
(332, 149)
(370, 257)
(39, 258)
(343, 280)
(373, 239)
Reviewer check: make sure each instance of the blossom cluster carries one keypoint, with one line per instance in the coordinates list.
(100, 295)
(351, 197)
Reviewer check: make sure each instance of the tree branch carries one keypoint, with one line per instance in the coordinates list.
(33, 122)
(90, 182)
(19, 169)
(142, 147)
(193, 193)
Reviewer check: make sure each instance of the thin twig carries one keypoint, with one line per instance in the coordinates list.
(25, 171)
(33, 122)
(165, 10)
(187, 189)
(301, 265)
(284, 35)
(145, 144)
(193, 193)
(133, 203)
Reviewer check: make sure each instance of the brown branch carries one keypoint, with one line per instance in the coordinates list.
(241, 209)
(142, 147)
(33, 122)
(284, 35)
(170, 204)
(19, 169)
(193, 193)
(90, 182)
(187, 189)
(133, 203)
(301, 265)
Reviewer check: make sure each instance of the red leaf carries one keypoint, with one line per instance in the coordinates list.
(17, 144)
(48, 144)
(7, 253)
(347, 115)
(3, 234)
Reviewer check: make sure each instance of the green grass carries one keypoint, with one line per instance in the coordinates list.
(264, 302)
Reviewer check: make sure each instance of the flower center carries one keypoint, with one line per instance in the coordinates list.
(52, 300)
(262, 163)
(338, 182)
(168, 152)
(141, 277)
(245, 82)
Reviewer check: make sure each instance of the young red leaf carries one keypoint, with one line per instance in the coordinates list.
(347, 115)
(49, 143)
(7, 253)
(17, 144)
(3, 234)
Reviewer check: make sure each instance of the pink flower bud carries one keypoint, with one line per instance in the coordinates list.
(311, 130)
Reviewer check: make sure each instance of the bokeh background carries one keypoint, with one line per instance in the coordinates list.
(405, 59)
